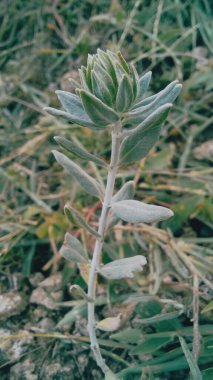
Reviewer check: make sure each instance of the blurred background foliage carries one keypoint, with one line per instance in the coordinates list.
(42, 44)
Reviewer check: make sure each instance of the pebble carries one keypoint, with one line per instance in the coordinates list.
(11, 303)
(40, 296)
(52, 283)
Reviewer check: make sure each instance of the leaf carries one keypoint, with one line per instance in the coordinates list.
(110, 324)
(194, 369)
(150, 345)
(100, 89)
(123, 62)
(126, 192)
(72, 249)
(99, 112)
(84, 122)
(88, 183)
(125, 95)
(72, 315)
(138, 212)
(70, 146)
(142, 111)
(74, 216)
(135, 81)
(80, 292)
(138, 115)
(160, 95)
(144, 83)
(141, 140)
(129, 335)
(108, 65)
(74, 109)
(123, 268)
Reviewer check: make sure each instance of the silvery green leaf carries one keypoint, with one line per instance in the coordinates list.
(73, 105)
(82, 120)
(80, 292)
(99, 112)
(108, 65)
(168, 95)
(123, 268)
(124, 96)
(83, 76)
(75, 217)
(72, 249)
(144, 83)
(100, 88)
(70, 146)
(141, 140)
(104, 76)
(123, 62)
(126, 192)
(135, 81)
(138, 212)
(88, 183)
(89, 77)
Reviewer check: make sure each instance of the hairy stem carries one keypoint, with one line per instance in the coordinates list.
(96, 260)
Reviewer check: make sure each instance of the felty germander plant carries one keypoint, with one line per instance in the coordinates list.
(112, 97)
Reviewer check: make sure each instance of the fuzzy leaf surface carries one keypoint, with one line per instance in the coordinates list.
(71, 147)
(138, 212)
(144, 83)
(125, 95)
(74, 216)
(143, 110)
(89, 184)
(83, 121)
(141, 140)
(72, 249)
(126, 192)
(99, 112)
(123, 268)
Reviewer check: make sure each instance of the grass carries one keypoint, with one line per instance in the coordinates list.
(41, 45)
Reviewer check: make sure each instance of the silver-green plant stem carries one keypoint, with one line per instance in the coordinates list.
(99, 245)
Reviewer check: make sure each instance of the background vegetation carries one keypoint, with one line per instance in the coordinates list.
(167, 310)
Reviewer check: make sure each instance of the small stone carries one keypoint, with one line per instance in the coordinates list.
(53, 283)
(13, 348)
(56, 371)
(46, 324)
(39, 313)
(39, 296)
(11, 303)
(23, 371)
(36, 278)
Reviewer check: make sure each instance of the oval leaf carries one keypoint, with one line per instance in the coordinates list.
(144, 83)
(99, 112)
(74, 216)
(72, 249)
(138, 212)
(125, 95)
(110, 324)
(126, 192)
(70, 146)
(87, 182)
(84, 122)
(141, 140)
(123, 268)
